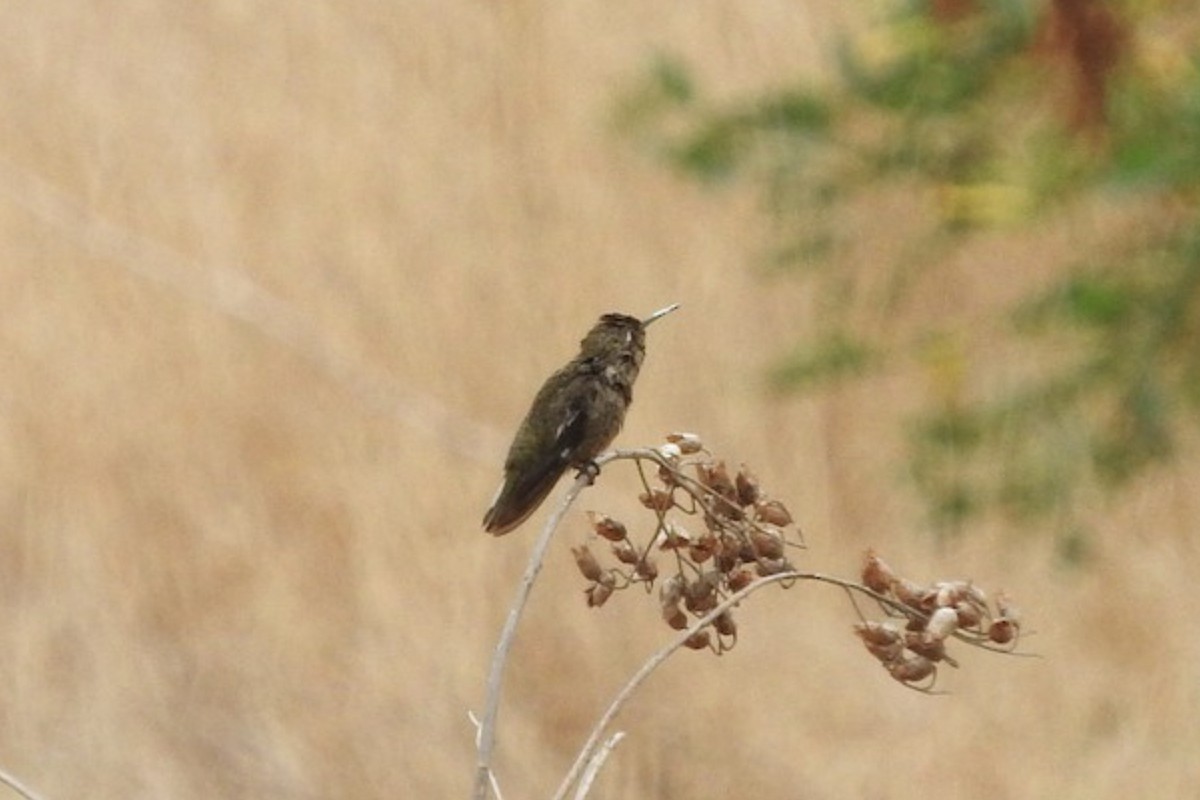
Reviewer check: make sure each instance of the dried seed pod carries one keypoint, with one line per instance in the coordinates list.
(625, 552)
(969, 615)
(587, 563)
(914, 595)
(885, 653)
(766, 543)
(949, 593)
(646, 569)
(700, 596)
(774, 512)
(599, 592)
(746, 552)
(881, 639)
(674, 537)
(942, 623)
(688, 443)
(923, 644)
(876, 574)
(699, 640)
(672, 590)
(607, 527)
(739, 579)
(670, 451)
(724, 624)
(1007, 625)
(771, 566)
(674, 616)
(715, 478)
(1002, 631)
(911, 670)
(877, 632)
(703, 548)
(747, 487)
(657, 500)
(726, 561)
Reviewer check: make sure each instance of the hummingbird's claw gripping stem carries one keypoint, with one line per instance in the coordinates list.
(592, 470)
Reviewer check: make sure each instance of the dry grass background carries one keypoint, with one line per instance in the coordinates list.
(279, 280)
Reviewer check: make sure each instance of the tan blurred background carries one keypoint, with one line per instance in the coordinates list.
(278, 282)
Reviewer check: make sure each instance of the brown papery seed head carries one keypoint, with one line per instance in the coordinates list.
(1002, 631)
(746, 483)
(607, 527)
(625, 552)
(656, 500)
(674, 537)
(969, 615)
(674, 616)
(739, 579)
(672, 590)
(700, 596)
(921, 643)
(767, 544)
(774, 512)
(911, 594)
(598, 593)
(646, 569)
(877, 632)
(911, 670)
(688, 443)
(771, 566)
(587, 563)
(942, 623)
(876, 574)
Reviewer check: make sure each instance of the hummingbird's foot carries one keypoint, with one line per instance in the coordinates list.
(591, 469)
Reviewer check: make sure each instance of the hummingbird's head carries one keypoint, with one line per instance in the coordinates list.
(616, 338)
(620, 338)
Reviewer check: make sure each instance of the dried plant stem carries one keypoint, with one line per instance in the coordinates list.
(486, 739)
(595, 763)
(589, 758)
(17, 786)
(652, 664)
(655, 661)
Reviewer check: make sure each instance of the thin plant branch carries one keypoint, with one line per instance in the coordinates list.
(595, 763)
(486, 740)
(653, 663)
(740, 552)
(584, 756)
(18, 787)
(491, 775)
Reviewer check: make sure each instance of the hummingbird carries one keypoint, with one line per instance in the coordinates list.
(575, 415)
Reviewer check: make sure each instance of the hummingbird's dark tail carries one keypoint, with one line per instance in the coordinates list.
(517, 499)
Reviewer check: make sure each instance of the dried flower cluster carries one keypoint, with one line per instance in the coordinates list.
(932, 614)
(739, 534)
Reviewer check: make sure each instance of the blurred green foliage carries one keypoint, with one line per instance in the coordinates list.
(968, 120)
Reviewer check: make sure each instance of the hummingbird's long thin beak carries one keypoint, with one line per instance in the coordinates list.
(662, 312)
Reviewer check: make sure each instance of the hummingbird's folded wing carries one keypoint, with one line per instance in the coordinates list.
(532, 469)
